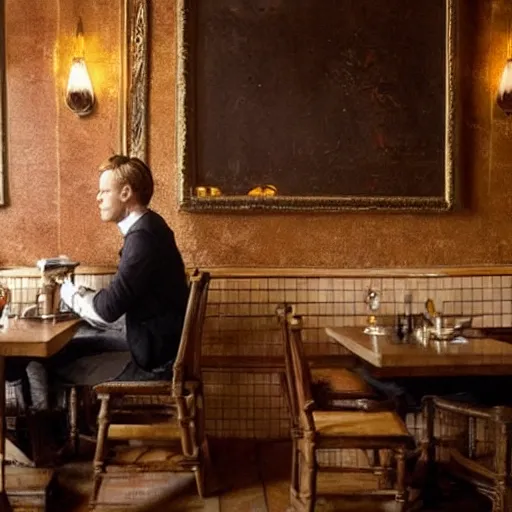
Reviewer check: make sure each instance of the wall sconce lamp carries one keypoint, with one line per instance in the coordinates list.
(504, 98)
(79, 92)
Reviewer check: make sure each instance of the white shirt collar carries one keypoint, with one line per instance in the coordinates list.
(125, 225)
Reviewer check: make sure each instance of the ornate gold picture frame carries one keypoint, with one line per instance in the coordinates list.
(3, 123)
(133, 97)
(316, 106)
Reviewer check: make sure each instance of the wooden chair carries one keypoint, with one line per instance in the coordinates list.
(473, 444)
(332, 387)
(165, 418)
(314, 430)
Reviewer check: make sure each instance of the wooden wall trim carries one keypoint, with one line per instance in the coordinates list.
(445, 271)
(35, 272)
(248, 272)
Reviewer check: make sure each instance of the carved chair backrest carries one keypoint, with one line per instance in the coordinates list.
(301, 373)
(194, 347)
(461, 419)
(283, 312)
(187, 366)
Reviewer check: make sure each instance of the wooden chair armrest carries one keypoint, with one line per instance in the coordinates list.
(473, 466)
(497, 413)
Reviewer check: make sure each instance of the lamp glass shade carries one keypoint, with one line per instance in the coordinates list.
(504, 98)
(79, 92)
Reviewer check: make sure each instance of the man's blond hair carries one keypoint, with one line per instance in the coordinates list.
(131, 171)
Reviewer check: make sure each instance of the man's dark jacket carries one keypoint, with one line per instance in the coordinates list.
(150, 286)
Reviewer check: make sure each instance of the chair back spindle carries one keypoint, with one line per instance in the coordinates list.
(283, 312)
(186, 367)
(301, 375)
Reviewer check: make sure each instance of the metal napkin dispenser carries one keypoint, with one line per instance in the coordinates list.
(53, 273)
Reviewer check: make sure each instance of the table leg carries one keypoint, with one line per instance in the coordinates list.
(2, 424)
(4, 503)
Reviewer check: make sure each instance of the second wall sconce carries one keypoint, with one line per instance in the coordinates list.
(79, 91)
(504, 98)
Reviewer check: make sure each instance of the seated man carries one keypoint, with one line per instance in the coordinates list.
(146, 299)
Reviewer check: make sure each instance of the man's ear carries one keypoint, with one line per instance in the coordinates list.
(126, 193)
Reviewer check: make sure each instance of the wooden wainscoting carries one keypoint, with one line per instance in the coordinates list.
(242, 355)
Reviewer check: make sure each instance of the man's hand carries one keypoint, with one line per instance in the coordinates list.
(67, 292)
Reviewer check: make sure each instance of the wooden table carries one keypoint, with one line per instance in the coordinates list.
(388, 358)
(27, 338)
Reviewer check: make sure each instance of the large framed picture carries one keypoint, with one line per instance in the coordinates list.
(316, 105)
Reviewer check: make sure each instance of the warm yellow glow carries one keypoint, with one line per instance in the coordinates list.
(79, 41)
(79, 92)
(505, 89)
(264, 190)
(79, 77)
(506, 79)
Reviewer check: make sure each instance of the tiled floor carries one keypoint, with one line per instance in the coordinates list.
(254, 477)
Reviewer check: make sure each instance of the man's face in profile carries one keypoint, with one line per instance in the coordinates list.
(110, 198)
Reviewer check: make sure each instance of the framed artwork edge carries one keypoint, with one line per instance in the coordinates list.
(185, 137)
(3, 110)
(134, 78)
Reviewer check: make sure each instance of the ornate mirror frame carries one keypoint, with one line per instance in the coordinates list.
(200, 197)
(3, 124)
(133, 97)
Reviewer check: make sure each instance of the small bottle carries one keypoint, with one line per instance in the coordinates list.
(408, 312)
(4, 321)
(438, 325)
(399, 327)
(402, 328)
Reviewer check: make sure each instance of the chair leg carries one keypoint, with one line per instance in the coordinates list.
(204, 473)
(430, 490)
(294, 479)
(73, 420)
(87, 397)
(308, 491)
(499, 501)
(99, 455)
(296, 505)
(401, 491)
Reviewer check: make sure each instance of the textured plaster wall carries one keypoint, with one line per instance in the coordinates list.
(53, 156)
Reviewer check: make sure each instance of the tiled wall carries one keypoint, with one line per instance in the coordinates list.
(241, 323)
(244, 304)
(244, 404)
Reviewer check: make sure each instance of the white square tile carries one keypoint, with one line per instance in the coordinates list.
(477, 282)
(487, 281)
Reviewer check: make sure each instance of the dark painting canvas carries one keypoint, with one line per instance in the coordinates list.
(320, 99)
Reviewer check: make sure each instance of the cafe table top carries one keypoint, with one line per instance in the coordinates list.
(388, 357)
(35, 338)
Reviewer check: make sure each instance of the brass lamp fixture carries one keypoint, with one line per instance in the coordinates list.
(504, 98)
(79, 92)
